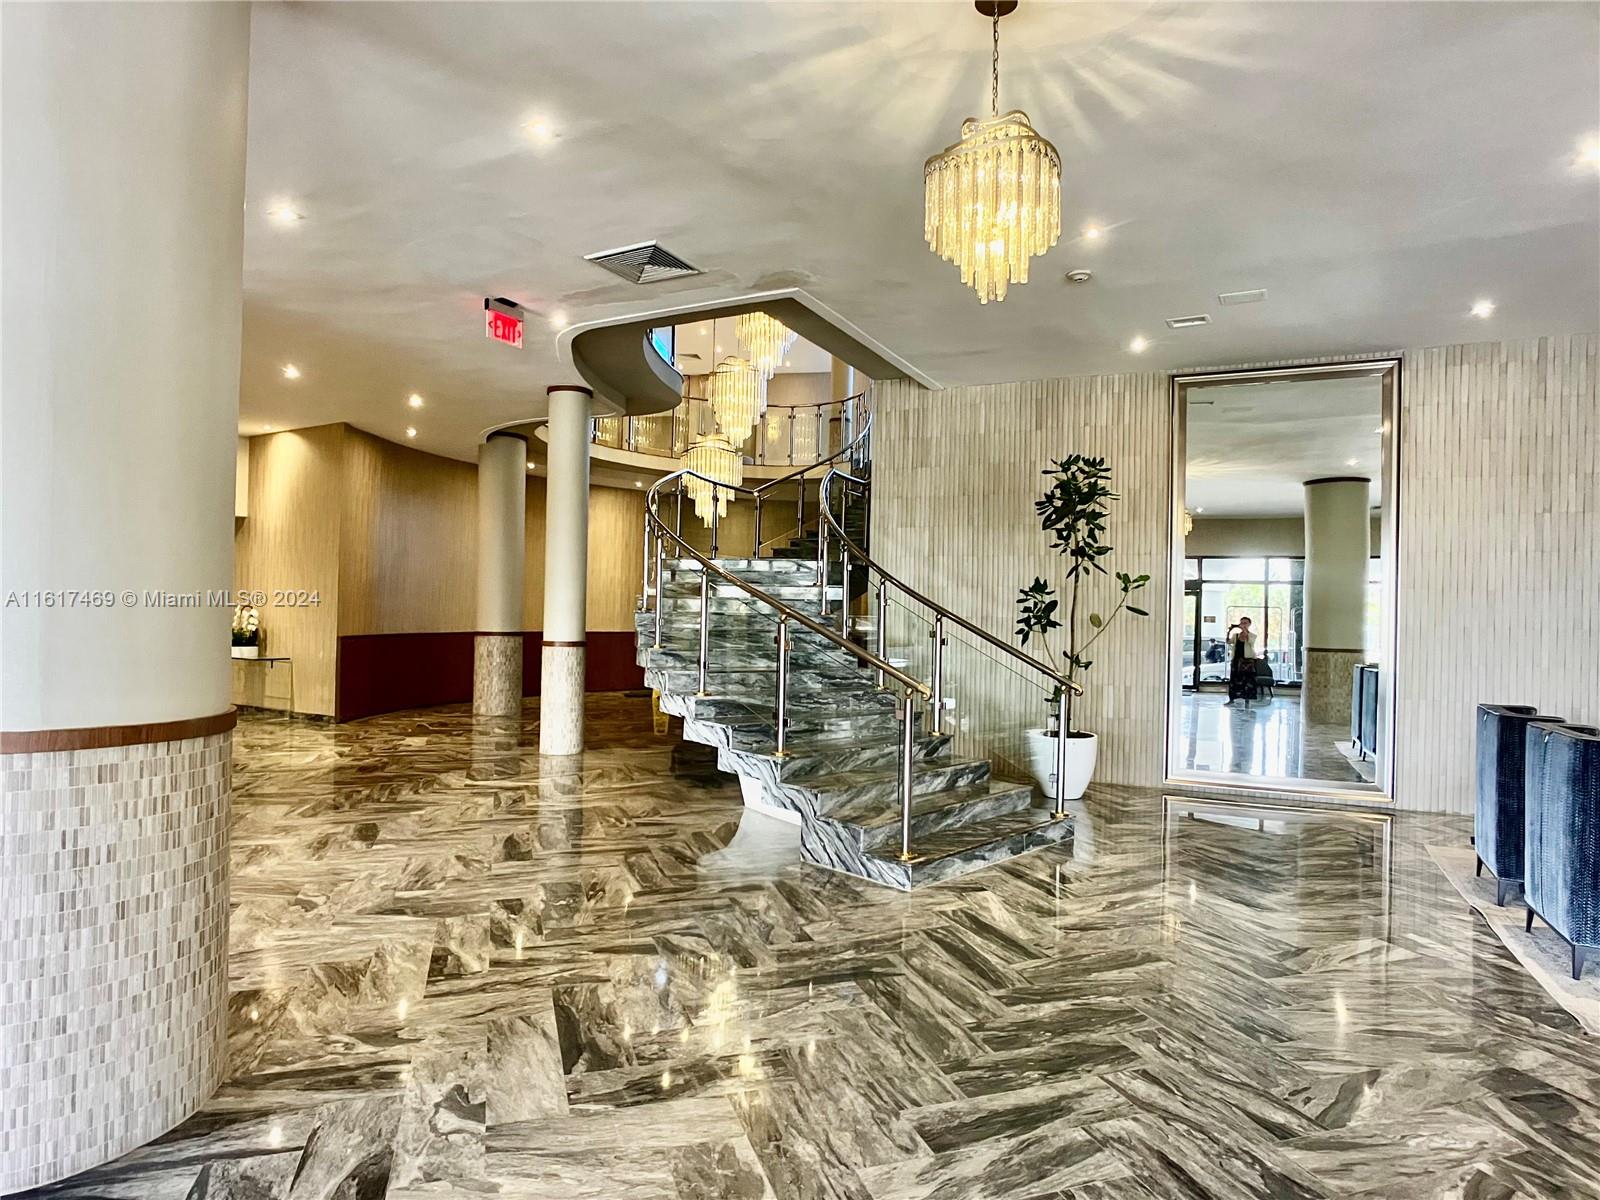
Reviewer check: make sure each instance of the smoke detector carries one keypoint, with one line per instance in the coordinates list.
(1079, 275)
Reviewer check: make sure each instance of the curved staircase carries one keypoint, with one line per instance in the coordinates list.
(847, 751)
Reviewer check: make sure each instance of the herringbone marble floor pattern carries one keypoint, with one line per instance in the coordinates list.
(457, 972)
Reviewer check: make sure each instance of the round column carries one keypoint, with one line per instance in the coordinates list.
(566, 572)
(1338, 544)
(497, 649)
(123, 142)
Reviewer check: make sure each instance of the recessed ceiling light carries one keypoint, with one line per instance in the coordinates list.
(411, 431)
(1379, 429)
(282, 212)
(1093, 233)
(268, 428)
(1199, 508)
(1352, 462)
(1139, 344)
(1588, 154)
(558, 320)
(414, 400)
(636, 483)
(290, 371)
(539, 129)
(1483, 308)
(530, 466)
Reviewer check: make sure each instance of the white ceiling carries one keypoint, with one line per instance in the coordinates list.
(1250, 447)
(1376, 167)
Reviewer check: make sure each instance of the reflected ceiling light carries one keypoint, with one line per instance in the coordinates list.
(414, 400)
(411, 431)
(713, 460)
(290, 371)
(992, 200)
(1139, 344)
(1483, 308)
(281, 212)
(539, 129)
(764, 339)
(1093, 233)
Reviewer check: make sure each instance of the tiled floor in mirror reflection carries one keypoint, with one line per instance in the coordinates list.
(459, 971)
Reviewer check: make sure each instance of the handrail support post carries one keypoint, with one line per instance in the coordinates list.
(781, 716)
(937, 633)
(1061, 756)
(883, 632)
(705, 628)
(907, 749)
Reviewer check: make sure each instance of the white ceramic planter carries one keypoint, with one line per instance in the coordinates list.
(247, 651)
(1081, 753)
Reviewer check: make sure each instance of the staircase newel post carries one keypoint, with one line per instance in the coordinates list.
(937, 634)
(907, 750)
(844, 590)
(782, 714)
(705, 626)
(1061, 756)
(660, 549)
(883, 632)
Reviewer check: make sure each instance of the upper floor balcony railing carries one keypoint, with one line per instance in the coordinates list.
(785, 435)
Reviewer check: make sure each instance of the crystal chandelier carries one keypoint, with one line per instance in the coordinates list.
(765, 340)
(738, 396)
(993, 200)
(714, 457)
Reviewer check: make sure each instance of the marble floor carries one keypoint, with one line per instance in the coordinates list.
(1269, 739)
(458, 971)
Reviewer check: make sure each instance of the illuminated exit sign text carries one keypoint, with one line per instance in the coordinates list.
(502, 321)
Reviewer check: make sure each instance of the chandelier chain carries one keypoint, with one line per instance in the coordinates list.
(994, 84)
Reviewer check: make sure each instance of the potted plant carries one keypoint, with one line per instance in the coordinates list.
(246, 631)
(1073, 512)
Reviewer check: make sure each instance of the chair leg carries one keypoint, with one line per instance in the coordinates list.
(1579, 953)
(1500, 888)
(1527, 924)
(1478, 871)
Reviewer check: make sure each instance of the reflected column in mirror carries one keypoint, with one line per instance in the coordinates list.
(1282, 616)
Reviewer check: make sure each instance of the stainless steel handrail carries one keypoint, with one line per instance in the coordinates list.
(861, 440)
(852, 553)
(657, 531)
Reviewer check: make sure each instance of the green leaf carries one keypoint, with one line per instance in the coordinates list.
(1095, 620)
(1139, 611)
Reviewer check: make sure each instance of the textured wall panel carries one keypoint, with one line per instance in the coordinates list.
(955, 476)
(113, 949)
(1499, 549)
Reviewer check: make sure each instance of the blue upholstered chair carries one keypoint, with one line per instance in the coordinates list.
(1498, 827)
(1562, 764)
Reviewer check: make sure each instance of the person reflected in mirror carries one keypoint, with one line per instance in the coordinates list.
(1241, 662)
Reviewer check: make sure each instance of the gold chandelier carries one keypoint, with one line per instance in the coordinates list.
(738, 396)
(765, 339)
(715, 458)
(993, 200)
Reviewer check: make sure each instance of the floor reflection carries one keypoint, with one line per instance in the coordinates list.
(1265, 738)
(458, 968)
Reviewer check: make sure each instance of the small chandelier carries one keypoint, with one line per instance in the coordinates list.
(714, 457)
(765, 339)
(993, 200)
(738, 396)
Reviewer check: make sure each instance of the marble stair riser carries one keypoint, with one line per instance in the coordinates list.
(940, 812)
(791, 594)
(741, 710)
(819, 683)
(828, 726)
(824, 844)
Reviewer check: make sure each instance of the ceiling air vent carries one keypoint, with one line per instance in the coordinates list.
(1253, 296)
(644, 263)
(1188, 322)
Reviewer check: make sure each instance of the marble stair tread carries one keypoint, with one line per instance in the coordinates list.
(963, 848)
(935, 812)
(841, 790)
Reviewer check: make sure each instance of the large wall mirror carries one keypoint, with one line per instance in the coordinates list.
(1283, 650)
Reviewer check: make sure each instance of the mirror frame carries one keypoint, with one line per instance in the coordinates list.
(1388, 371)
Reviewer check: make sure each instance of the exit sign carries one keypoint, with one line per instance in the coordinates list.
(502, 321)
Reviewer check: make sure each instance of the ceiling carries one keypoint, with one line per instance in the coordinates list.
(1376, 168)
(1250, 447)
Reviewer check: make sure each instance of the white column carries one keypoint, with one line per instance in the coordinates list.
(123, 143)
(566, 572)
(497, 649)
(1338, 544)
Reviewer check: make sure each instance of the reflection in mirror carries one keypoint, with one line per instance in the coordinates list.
(1283, 637)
